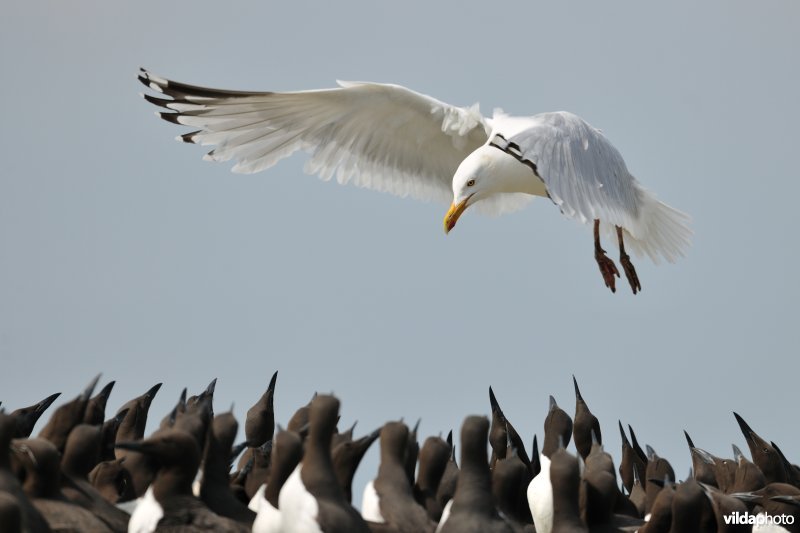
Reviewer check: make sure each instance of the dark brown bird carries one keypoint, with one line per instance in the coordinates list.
(557, 429)
(748, 476)
(702, 470)
(503, 428)
(433, 458)
(317, 477)
(565, 480)
(141, 468)
(473, 509)
(258, 468)
(260, 421)
(629, 459)
(178, 457)
(692, 510)
(214, 487)
(30, 519)
(287, 452)
(658, 468)
(28, 416)
(398, 508)
(109, 437)
(764, 455)
(66, 417)
(585, 424)
(510, 479)
(726, 505)
(81, 455)
(347, 455)
(113, 482)
(661, 510)
(96, 408)
(447, 485)
(169, 420)
(40, 461)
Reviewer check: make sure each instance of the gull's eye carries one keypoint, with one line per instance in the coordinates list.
(470, 183)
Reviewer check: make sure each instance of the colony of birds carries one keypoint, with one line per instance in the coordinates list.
(88, 473)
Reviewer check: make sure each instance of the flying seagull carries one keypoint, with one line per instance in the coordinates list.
(392, 139)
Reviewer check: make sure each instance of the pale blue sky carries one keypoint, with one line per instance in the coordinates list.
(122, 251)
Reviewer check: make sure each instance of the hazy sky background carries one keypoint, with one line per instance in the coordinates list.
(122, 251)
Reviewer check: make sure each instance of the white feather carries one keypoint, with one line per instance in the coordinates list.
(145, 517)
(445, 515)
(268, 519)
(298, 508)
(370, 505)
(540, 498)
(587, 178)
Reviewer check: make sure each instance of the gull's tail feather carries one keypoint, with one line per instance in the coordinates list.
(662, 231)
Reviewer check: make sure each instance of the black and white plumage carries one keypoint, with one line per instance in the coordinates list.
(392, 139)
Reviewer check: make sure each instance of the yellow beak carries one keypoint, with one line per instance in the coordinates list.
(453, 213)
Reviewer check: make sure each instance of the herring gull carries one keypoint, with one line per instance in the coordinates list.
(392, 139)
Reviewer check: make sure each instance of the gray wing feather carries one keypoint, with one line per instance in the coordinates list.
(587, 178)
(584, 174)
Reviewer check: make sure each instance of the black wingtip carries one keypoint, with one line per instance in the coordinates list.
(144, 79)
(189, 138)
(170, 117)
(160, 102)
(274, 378)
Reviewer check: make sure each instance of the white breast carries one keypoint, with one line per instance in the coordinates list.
(370, 505)
(148, 512)
(540, 498)
(298, 508)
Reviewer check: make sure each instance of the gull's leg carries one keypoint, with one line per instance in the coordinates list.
(607, 267)
(627, 266)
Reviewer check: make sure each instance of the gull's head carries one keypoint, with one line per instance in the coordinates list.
(471, 183)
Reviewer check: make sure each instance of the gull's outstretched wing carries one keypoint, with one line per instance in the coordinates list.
(587, 178)
(382, 137)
